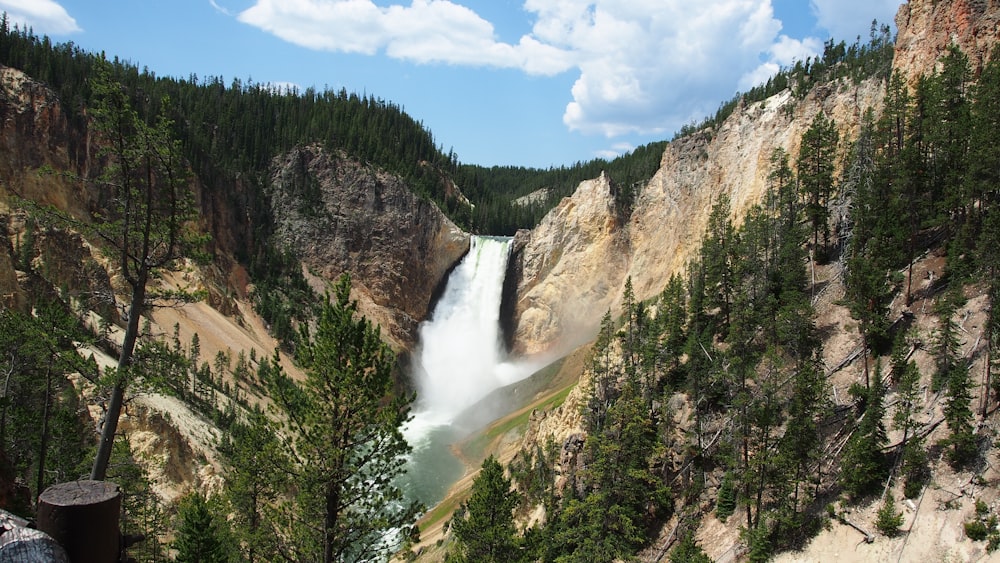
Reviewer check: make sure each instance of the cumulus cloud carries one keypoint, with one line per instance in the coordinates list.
(645, 66)
(615, 150)
(45, 17)
(783, 53)
(648, 66)
(426, 31)
(848, 19)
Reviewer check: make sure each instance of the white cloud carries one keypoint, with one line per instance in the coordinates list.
(426, 31)
(615, 150)
(783, 53)
(846, 20)
(645, 66)
(221, 9)
(45, 17)
(651, 65)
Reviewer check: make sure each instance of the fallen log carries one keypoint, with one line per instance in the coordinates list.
(869, 537)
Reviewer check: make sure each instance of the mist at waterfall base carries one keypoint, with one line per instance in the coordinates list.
(460, 359)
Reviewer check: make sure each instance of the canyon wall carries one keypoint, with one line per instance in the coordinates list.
(335, 213)
(340, 216)
(572, 267)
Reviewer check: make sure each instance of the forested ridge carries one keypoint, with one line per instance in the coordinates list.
(233, 130)
(713, 400)
(709, 401)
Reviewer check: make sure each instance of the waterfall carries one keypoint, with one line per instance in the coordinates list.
(460, 359)
(460, 347)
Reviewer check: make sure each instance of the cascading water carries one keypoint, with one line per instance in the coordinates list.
(460, 346)
(459, 360)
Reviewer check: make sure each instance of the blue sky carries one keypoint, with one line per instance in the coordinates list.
(509, 82)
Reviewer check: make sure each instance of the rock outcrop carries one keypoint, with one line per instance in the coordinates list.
(928, 27)
(567, 267)
(35, 133)
(574, 264)
(340, 216)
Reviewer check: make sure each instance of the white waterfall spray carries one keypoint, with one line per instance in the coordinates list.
(459, 361)
(461, 349)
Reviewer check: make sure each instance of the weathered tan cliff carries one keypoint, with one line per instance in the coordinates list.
(575, 263)
(927, 28)
(340, 216)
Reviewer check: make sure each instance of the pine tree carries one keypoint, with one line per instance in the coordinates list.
(199, 537)
(946, 342)
(983, 173)
(147, 227)
(688, 551)
(958, 414)
(717, 260)
(948, 134)
(867, 295)
(815, 172)
(603, 378)
(863, 466)
(484, 526)
(258, 469)
(889, 519)
(911, 448)
(802, 442)
(344, 421)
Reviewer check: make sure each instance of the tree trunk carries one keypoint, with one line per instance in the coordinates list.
(330, 532)
(100, 468)
(44, 446)
(18, 545)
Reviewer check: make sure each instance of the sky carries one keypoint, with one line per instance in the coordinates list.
(500, 82)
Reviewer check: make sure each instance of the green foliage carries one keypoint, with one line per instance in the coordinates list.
(44, 429)
(344, 422)
(484, 525)
(200, 537)
(815, 164)
(888, 520)
(726, 503)
(718, 249)
(984, 527)
(688, 551)
(759, 540)
(142, 511)
(863, 466)
(946, 343)
(533, 472)
(281, 294)
(255, 481)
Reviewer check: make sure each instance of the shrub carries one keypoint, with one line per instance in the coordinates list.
(889, 520)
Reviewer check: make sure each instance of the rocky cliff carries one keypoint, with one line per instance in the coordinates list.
(573, 266)
(341, 216)
(927, 28)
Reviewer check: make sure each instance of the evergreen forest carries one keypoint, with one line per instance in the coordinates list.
(762, 440)
(710, 400)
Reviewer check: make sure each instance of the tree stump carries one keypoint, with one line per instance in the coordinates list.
(25, 545)
(83, 517)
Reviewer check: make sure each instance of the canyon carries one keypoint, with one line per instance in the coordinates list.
(338, 215)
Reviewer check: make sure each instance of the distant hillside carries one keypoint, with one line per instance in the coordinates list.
(233, 130)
